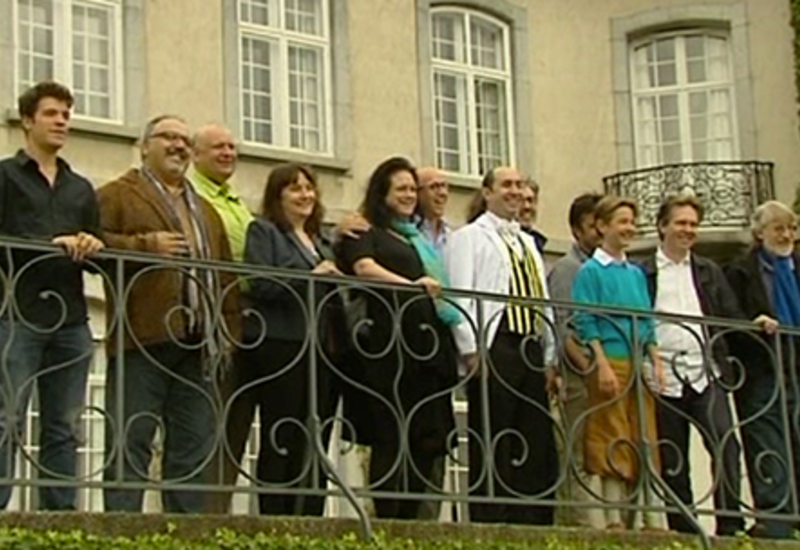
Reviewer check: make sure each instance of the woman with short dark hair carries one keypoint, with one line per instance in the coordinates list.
(410, 370)
(287, 235)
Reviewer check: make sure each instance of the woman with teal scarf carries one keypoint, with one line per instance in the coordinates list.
(409, 357)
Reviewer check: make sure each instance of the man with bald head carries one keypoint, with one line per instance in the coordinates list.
(213, 164)
(432, 195)
(493, 255)
(214, 157)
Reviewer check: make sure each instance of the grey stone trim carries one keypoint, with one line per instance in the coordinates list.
(341, 100)
(732, 17)
(517, 19)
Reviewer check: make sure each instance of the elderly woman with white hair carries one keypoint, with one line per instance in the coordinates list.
(767, 282)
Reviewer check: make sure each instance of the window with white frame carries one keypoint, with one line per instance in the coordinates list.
(284, 54)
(683, 102)
(77, 42)
(472, 91)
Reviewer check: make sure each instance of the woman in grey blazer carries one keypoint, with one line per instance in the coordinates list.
(287, 235)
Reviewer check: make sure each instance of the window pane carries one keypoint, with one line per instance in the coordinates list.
(257, 108)
(305, 95)
(487, 44)
(668, 106)
(667, 74)
(304, 16)
(92, 44)
(490, 117)
(696, 71)
(259, 12)
(447, 37)
(665, 50)
(698, 103)
(450, 98)
(695, 47)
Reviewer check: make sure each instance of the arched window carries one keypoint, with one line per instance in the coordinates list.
(472, 90)
(682, 98)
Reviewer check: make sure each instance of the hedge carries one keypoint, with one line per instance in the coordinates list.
(227, 539)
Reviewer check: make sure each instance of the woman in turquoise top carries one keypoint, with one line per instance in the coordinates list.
(612, 426)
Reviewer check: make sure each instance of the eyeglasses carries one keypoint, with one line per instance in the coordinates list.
(173, 137)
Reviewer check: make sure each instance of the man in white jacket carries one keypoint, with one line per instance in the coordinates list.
(507, 345)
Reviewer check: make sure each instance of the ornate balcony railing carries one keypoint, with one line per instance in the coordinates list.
(304, 411)
(729, 191)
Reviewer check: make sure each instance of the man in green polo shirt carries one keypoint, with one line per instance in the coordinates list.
(213, 163)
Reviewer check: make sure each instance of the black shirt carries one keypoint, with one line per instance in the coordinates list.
(31, 208)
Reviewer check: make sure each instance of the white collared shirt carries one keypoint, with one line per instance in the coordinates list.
(680, 344)
(438, 239)
(604, 258)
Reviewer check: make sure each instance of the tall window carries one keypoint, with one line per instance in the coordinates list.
(471, 91)
(683, 104)
(77, 42)
(285, 82)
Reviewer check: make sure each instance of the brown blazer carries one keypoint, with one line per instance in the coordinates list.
(131, 211)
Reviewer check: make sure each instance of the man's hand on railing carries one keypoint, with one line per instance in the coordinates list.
(168, 243)
(79, 246)
(767, 324)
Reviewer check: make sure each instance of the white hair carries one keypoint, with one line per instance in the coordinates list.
(769, 212)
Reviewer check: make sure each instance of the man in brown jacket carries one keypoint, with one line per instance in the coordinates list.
(178, 322)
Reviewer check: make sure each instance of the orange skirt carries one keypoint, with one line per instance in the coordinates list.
(613, 435)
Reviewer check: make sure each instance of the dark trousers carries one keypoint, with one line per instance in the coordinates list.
(518, 403)
(771, 446)
(710, 413)
(237, 406)
(57, 363)
(162, 386)
(287, 457)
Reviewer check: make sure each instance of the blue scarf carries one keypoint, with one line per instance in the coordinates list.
(433, 265)
(785, 291)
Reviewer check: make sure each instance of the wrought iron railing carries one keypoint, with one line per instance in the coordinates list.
(402, 477)
(729, 191)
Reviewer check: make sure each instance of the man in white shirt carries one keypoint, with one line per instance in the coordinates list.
(508, 347)
(684, 283)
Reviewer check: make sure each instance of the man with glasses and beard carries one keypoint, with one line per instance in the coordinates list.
(173, 342)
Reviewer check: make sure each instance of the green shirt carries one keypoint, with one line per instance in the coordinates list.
(235, 215)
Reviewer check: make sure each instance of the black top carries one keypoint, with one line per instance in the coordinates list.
(282, 302)
(744, 276)
(33, 209)
(425, 360)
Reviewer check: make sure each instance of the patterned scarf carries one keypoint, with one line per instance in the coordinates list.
(433, 265)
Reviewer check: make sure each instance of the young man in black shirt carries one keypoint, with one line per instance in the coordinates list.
(44, 334)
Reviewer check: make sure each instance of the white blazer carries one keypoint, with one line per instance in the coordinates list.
(477, 259)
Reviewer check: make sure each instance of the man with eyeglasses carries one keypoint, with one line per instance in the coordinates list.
(173, 341)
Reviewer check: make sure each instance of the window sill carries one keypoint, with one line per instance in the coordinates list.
(88, 127)
(257, 152)
(464, 181)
